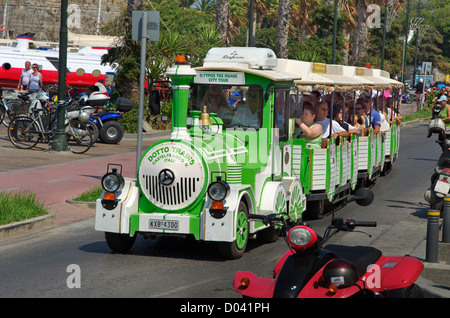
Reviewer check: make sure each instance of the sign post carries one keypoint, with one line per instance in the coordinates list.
(145, 25)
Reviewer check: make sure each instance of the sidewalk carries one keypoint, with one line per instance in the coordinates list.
(59, 176)
(435, 278)
(56, 177)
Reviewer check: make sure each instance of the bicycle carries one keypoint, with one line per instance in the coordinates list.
(11, 108)
(26, 131)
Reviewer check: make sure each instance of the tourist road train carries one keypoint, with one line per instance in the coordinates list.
(213, 170)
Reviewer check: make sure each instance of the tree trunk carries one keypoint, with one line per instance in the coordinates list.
(360, 36)
(223, 21)
(283, 28)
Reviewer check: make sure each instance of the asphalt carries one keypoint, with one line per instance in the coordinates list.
(57, 177)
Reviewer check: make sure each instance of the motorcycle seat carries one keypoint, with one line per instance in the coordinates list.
(360, 256)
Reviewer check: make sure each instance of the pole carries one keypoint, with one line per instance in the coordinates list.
(432, 236)
(141, 87)
(413, 80)
(333, 58)
(384, 34)
(251, 39)
(446, 220)
(406, 41)
(60, 141)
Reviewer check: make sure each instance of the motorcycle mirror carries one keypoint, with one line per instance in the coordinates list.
(362, 197)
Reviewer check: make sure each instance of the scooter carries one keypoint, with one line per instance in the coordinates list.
(440, 178)
(311, 270)
(110, 129)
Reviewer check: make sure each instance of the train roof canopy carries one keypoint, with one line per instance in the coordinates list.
(307, 76)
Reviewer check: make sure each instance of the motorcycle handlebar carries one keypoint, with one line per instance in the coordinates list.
(365, 223)
(266, 218)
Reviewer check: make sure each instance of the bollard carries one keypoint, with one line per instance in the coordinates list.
(446, 220)
(432, 236)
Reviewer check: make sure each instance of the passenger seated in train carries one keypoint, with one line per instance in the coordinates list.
(391, 111)
(338, 117)
(361, 118)
(247, 113)
(324, 121)
(216, 101)
(308, 129)
(372, 115)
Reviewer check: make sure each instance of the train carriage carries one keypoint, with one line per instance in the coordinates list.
(216, 169)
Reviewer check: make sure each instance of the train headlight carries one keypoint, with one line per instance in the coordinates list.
(218, 190)
(112, 181)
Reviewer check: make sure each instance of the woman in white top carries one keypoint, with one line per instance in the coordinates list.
(35, 82)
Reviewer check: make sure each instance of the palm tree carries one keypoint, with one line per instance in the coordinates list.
(283, 28)
(186, 3)
(205, 5)
(358, 14)
(300, 17)
(223, 20)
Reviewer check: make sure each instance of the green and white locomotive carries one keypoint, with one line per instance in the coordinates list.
(231, 153)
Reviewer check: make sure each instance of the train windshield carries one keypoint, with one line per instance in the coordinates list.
(237, 106)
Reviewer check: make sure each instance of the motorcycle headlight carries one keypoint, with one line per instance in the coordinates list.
(112, 181)
(301, 237)
(218, 190)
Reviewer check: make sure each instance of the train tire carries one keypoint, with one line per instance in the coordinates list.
(236, 249)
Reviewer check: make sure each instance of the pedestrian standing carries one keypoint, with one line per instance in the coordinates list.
(25, 76)
(35, 82)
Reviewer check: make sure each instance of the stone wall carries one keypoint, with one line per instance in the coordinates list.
(43, 16)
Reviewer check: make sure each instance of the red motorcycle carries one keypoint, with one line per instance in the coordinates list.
(311, 270)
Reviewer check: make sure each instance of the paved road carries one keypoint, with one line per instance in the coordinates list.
(38, 266)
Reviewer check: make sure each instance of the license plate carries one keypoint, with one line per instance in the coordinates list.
(442, 186)
(163, 225)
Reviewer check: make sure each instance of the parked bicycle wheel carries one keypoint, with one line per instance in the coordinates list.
(23, 132)
(79, 137)
(12, 109)
(2, 113)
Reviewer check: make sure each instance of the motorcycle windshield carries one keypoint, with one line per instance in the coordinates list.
(297, 270)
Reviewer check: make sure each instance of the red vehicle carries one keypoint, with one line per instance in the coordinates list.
(311, 270)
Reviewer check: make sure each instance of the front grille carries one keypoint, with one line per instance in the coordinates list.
(179, 193)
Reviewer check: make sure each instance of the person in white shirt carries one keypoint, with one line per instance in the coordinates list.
(25, 76)
(324, 121)
(338, 117)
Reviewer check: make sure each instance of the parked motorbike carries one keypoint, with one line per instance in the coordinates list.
(76, 110)
(407, 98)
(440, 178)
(311, 270)
(110, 129)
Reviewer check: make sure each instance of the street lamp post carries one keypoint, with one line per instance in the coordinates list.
(406, 41)
(333, 58)
(60, 141)
(413, 80)
(251, 39)
(384, 34)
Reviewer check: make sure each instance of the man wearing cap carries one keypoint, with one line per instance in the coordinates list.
(444, 114)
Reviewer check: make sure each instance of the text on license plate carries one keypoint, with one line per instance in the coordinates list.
(163, 225)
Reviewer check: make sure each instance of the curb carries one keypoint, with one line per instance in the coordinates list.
(27, 227)
(81, 204)
(416, 122)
